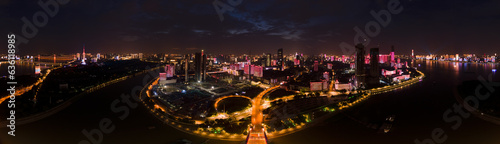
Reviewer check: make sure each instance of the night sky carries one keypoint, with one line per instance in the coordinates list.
(310, 27)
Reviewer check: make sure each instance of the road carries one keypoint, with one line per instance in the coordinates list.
(65, 127)
(257, 132)
(419, 109)
(257, 116)
(27, 88)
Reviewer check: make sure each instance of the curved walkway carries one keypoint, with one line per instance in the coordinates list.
(229, 96)
(183, 126)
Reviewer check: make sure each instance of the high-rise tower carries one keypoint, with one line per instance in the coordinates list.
(360, 65)
(200, 64)
(392, 55)
(186, 66)
(374, 66)
(83, 51)
(280, 59)
(83, 55)
(412, 54)
(268, 59)
(197, 66)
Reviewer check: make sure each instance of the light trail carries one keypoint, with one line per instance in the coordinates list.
(28, 88)
(257, 133)
(229, 96)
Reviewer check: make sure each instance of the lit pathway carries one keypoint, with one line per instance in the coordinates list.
(28, 88)
(257, 133)
(229, 96)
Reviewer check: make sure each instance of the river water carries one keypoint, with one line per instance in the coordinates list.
(22, 68)
(418, 108)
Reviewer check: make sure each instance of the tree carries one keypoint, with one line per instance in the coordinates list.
(343, 91)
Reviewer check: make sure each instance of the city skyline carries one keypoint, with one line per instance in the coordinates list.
(250, 72)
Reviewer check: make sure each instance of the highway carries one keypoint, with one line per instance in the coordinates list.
(257, 106)
(28, 88)
(257, 134)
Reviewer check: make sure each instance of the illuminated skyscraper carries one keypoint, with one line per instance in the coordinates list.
(197, 68)
(204, 65)
(200, 66)
(374, 66)
(412, 54)
(186, 67)
(360, 65)
(280, 59)
(83, 55)
(392, 55)
(268, 59)
(83, 51)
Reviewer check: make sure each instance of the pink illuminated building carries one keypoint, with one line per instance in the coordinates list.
(170, 71)
(257, 71)
(383, 58)
(392, 54)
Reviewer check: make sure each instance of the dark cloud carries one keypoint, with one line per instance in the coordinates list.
(312, 27)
